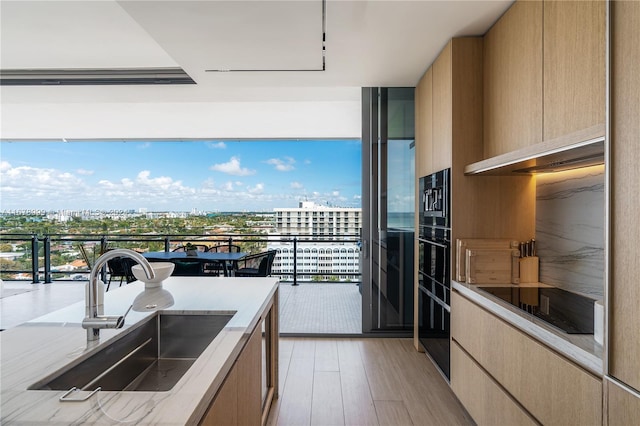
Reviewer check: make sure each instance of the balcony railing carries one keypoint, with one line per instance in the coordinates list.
(48, 258)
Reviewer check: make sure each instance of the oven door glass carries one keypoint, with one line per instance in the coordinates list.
(433, 267)
(434, 328)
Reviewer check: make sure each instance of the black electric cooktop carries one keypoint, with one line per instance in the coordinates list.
(570, 312)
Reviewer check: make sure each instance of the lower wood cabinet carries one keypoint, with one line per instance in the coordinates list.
(551, 388)
(238, 401)
(485, 400)
(623, 407)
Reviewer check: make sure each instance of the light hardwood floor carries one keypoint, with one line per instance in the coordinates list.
(361, 382)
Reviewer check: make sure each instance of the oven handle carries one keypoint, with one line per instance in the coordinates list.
(436, 299)
(434, 243)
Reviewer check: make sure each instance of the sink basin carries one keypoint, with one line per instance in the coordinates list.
(151, 357)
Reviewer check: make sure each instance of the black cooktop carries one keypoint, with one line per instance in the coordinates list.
(570, 312)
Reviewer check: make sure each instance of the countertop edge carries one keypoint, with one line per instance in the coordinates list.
(583, 358)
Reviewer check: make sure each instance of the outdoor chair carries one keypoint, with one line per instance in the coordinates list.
(256, 265)
(216, 268)
(120, 267)
(186, 268)
(199, 247)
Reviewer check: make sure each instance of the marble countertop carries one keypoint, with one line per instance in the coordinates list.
(580, 348)
(38, 348)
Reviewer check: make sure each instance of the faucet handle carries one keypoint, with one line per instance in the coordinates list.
(120, 324)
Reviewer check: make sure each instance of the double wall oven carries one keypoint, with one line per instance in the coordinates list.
(434, 262)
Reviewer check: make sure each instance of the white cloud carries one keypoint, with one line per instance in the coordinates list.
(4, 165)
(84, 172)
(232, 167)
(228, 186)
(258, 189)
(296, 185)
(216, 145)
(335, 193)
(282, 165)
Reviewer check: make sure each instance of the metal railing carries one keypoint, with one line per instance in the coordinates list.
(37, 250)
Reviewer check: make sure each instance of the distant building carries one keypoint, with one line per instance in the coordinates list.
(311, 221)
(318, 220)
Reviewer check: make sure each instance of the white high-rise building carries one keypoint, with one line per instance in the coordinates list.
(318, 220)
(317, 253)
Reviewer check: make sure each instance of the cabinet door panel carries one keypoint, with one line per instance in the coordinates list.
(624, 337)
(424, 125)
(249, 373)
(513, 80)
(224, 408)
(442, 110)
(483, 398)
(574, 66)
(623, 407)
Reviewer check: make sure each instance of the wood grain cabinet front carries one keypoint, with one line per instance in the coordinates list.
(624, 326)
(513, 80)
(238, 401)
(442, 109)
(424, 125)
(485, 400)
(574, 66)
(552, 389)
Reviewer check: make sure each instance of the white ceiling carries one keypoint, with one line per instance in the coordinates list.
(368, 43)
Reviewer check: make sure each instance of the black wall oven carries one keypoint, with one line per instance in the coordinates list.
(434, 268)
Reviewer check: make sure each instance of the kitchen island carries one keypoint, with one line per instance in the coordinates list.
(39, 348)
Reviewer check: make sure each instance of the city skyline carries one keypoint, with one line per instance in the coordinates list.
(179, 175)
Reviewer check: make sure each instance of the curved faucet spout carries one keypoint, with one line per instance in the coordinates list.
(94, 321)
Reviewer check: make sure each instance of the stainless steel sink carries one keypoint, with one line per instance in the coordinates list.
(151, 357)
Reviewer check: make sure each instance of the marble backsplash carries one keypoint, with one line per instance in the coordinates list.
(570, 209)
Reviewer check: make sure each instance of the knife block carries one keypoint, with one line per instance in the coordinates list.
(529, 269)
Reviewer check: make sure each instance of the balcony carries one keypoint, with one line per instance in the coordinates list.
(313, 299)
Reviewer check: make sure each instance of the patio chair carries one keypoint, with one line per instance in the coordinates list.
(199, 247)
(256, 265)
(216, 268)
(120, 267)
(186, 268)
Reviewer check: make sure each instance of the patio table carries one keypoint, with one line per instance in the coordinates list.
(223, 259)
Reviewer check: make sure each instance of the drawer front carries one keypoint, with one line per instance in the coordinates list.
(623, 407)
(551, 388)
(483, 398)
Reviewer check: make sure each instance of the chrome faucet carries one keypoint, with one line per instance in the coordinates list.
(94, 294)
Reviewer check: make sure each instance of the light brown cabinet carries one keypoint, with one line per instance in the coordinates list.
(623, 408)
(485, 400)
(442, 108)
(552, 389)
(513, 80)
(574, 66)
(248, 390)
(424, 126)
(238, 400)
(624, 327)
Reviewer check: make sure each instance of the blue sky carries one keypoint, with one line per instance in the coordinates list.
(179, 176)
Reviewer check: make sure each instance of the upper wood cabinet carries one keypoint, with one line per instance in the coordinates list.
(442, 109)
(513, 80)
(574, 66)
(424, 127)
(624, 312)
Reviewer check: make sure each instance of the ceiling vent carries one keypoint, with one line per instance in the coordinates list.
(103, 76)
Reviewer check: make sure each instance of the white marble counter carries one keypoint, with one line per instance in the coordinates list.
(580, 348)
(40, 347)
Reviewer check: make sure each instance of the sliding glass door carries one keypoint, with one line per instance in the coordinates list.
(388, 209)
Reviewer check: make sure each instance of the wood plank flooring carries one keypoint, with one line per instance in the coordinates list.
(362, 381)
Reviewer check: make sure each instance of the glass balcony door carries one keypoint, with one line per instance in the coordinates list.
(388, 209)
